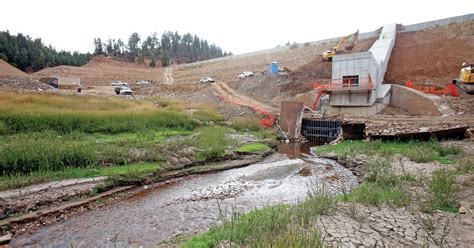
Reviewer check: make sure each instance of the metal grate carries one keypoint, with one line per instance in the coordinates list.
(320, 131)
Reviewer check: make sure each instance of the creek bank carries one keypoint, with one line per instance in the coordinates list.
(191, 204)
(27, 213)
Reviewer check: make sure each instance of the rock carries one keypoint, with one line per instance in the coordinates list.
(424, 129)
(331, 155)
(5, 239)
(462, 210)
(468, 134)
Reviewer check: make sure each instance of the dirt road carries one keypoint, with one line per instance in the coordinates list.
(233, 96)
(168, 75)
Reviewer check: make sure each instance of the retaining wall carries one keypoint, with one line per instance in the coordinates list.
(439, 22)
(413, 101)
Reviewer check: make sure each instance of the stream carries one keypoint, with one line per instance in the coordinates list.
(191, 205)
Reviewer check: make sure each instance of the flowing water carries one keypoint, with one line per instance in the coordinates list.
(191, 204)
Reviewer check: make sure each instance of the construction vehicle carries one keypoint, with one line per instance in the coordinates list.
(465, 82)
(351, 41)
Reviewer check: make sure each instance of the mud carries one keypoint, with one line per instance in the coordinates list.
(191, 205)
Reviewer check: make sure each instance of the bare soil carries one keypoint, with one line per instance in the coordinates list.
(103, 70)
(8, 70)
(432, 56)
(303, 78)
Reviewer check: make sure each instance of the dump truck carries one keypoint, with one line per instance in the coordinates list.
(465, 82)
(345, 44)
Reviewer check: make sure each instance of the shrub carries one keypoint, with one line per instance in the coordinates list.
(465, 166)
(442, 186)
(212, 141)
(319, 202)
(421, 154)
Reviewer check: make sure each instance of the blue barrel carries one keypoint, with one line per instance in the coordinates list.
(274, 67)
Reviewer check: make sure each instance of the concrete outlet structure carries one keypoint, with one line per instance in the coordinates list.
(356, 84)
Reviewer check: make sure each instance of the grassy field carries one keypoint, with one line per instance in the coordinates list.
(49, 136)
(416, 151)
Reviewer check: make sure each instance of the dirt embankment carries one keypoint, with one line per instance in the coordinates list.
(103, 70)
(7, 70)
(303, 78)
(12, 78)
(431, 56)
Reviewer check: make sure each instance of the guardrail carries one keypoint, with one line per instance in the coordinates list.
(346, 84)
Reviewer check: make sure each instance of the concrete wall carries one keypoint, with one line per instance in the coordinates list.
(370, 66)
(353, 99)
(69, 81)
(413, 101)
(354, 110)
(362, 64)
(382, 49)
(440, 22)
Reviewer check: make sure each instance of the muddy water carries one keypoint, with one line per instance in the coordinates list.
(190, 205)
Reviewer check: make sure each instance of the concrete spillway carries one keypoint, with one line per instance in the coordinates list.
(358, 77)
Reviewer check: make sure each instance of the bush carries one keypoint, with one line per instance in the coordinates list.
(421, 154)
(212, 141)
(319, 202)
(442, 186)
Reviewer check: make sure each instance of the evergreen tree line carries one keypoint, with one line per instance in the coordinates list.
(168, 48)
(29, 54)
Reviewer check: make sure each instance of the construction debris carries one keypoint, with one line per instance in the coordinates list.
(23, 83)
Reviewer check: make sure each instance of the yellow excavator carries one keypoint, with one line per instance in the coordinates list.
(465, 82)
(351, 41)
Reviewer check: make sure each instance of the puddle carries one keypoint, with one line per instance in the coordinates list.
(296, 150)
(191, 205)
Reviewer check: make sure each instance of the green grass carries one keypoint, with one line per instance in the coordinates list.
(277, 226)
(381, 185)
(414, 150)
(21, 180)
(157, 136)
(252, 148)
(369, 193)
(211, 141)
(66, 114)
(442, 186)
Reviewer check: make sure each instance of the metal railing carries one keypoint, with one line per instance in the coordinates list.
(346, 84)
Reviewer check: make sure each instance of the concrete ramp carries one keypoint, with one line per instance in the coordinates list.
(413, 101)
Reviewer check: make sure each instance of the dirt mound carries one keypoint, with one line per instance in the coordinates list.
(7, 70)
(303, 77)
(104, 61)
(103, 70)
(431, 56)
(22, 83)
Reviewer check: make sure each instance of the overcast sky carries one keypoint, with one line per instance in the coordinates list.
(239, 25)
